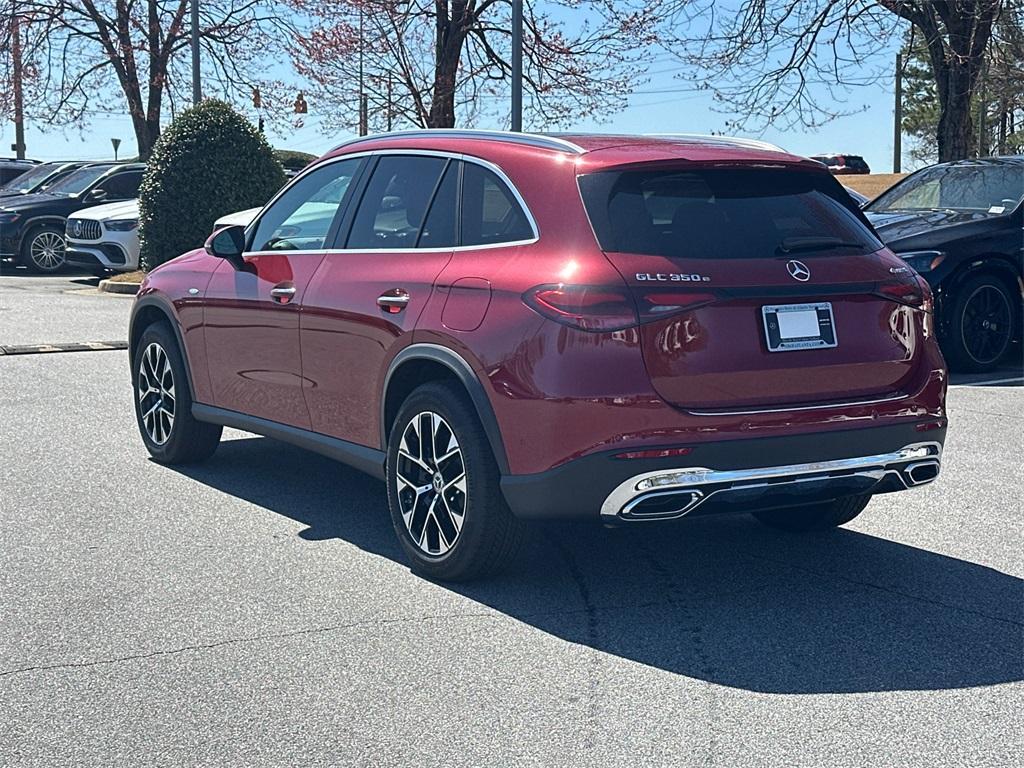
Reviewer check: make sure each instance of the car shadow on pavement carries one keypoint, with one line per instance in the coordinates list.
(719, 599)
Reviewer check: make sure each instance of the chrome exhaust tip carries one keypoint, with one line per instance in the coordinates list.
(922, 472)
(662, 505)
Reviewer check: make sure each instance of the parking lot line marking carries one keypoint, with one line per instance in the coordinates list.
(986, 383)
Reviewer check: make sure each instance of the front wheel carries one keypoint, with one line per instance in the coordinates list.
(163, 403)
(981, 324)
(43, 249)
(814, 517)
(443, 488)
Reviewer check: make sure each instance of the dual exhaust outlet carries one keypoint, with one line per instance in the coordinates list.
(669, 494)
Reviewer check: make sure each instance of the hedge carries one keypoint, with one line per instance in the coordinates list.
(210, 161)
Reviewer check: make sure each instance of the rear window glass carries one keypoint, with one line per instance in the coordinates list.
(717, 214)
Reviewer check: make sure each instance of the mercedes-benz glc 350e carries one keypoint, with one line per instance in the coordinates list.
(511, 326)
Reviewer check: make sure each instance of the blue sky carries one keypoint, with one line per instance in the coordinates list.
(867, 133)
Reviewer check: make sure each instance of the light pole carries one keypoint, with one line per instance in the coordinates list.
(897, 128)
(364, 127)
(517, 65)
(197, 88)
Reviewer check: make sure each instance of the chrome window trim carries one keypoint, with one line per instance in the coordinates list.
(422, 152)
(528, 139)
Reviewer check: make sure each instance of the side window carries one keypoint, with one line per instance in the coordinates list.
(122, 186)
(439, 226)
(490, 212)
(301, 218)
(395, 202)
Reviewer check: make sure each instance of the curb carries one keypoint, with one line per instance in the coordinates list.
(108, 286)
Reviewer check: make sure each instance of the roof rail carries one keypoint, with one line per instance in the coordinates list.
(529, 139)
(734, 141)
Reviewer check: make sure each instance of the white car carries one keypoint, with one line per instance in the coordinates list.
(239, 218)
(104, 238)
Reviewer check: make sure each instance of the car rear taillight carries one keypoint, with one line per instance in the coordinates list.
(586, 307)
(603, 308)
(913, 292)
(655, 304)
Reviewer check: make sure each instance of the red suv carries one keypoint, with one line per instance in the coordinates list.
(511, 326)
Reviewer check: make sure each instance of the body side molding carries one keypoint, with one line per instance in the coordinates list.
(368, 460)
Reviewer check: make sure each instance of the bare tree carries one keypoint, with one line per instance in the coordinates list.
(795, 61)
(84, 56)
(430, 63)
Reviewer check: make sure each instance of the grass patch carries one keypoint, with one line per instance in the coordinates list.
(127, 277)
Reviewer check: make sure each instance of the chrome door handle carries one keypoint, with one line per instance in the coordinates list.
(282, 294)
(393, 302)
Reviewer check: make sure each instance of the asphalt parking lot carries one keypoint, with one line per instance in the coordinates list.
(256, 610)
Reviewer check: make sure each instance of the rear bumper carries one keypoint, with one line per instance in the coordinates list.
(732, 476)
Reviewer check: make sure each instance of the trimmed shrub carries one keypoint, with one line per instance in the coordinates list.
(210, 161)
(292, 160)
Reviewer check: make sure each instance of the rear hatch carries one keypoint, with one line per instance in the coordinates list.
(757, 287)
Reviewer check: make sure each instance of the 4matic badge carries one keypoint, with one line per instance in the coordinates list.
(671, 277)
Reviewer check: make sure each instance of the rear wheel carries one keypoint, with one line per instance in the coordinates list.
(981, 324)
(814, 517)
(43, 249)
(443, 488)
(163, 403)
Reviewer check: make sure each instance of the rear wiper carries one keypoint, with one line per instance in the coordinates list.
(790, 244)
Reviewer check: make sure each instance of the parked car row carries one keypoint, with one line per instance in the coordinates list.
(959, 225)
(33, 220)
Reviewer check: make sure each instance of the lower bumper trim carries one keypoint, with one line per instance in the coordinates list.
(671, 493)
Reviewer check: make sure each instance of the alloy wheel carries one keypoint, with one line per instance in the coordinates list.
(986, 325)
(156, 393)
(47, 251)
(431, 482)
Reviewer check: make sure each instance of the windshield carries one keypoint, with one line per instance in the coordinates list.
(29, 180)
(720, 214)
(78, 181)
(985, 187)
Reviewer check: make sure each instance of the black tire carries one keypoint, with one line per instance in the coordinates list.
(43, 249)
(814, 517)
(489, 536)
(981, 324)
(160, 390)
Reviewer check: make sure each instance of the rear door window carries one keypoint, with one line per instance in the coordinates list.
(122, 186)
(395, 202)
(720, 214)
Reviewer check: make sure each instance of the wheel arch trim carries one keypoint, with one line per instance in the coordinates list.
(35, 221)
(466, 375)
(164, 306)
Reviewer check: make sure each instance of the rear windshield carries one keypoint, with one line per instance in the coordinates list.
(721, 214)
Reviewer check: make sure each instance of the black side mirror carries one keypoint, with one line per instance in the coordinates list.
(229, 244)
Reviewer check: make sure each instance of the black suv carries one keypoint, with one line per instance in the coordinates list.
(38, 177)
(32, 226)
(11, 169)
(961, 226)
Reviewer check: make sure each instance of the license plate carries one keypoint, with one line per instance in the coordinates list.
(789, 327)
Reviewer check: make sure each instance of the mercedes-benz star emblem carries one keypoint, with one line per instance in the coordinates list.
(798, 270)
(78, 229)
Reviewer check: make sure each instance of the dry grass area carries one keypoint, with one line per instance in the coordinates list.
(127, 277)
(871, 184)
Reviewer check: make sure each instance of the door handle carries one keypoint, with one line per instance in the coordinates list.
(393, 301)
(282, 294)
